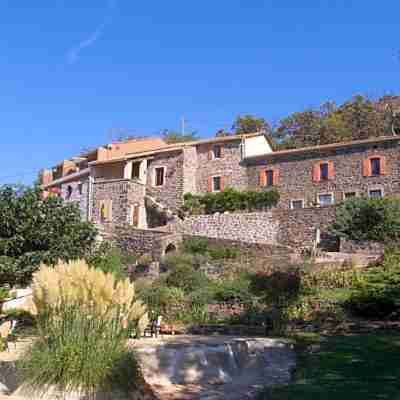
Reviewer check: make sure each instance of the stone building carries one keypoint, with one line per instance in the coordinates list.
(142, 182)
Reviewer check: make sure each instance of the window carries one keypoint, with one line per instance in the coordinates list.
(375, 166)
(105, 210)
(324, 171)
(217, 151)
(216, 184)
(135, 170)
(375, 193)
(325, 199)
(349, 195)
(296, 204)
(269, 177)
(80, 188)
(69, 192)
(159, 176)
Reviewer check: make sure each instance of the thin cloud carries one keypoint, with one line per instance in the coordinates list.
(74, 53)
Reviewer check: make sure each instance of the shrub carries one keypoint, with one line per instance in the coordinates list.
(229, 200)
(183, 274)
(368, 219)
(35, 231)
(233, 290)
(108, 259)
(279, 289)
(82, 331)
(202, 246)
(378, 294)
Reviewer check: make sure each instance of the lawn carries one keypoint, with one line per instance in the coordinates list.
(359, 367)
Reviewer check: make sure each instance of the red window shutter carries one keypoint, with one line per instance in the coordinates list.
(331, 170)
(210, 182)
(275, 177)
(222, 151)
(366, 167)
(210, 153)
(383, 165)
(222, 184)
(263, 178)
(316, 174)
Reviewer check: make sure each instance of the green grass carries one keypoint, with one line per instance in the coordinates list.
(360, 367)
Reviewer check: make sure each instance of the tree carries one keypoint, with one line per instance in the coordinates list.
(250, 124)
(170, 136)
(35, 231)
(358, 118)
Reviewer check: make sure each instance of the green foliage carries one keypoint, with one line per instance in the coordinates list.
(171, 136)
(202, 246)
(378, 294)
(183, 275)
(245, 124)
(79, 351)
(230, 200)
(108, 259)
(234, 290)
(358, 118)
(368, 219)
(84, 319)
(35, 231)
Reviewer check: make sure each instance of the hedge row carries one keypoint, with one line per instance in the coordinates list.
(229, 200)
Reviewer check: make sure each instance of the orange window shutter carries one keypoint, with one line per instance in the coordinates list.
(222, 183)
(263, 178)
(209, 186)
(275, 177)
(366, 168)
(383, 165)
(331, 170)
(316, 173)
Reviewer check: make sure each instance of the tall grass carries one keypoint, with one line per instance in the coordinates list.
(84, 317)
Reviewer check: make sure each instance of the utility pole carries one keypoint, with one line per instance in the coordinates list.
(183, 126)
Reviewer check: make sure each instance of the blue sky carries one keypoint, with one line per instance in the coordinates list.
(70, 73)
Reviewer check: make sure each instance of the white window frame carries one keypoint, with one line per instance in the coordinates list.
(213, 153)
(212, 183)
(294, 200)
(373, 189)
(326, 194)
(155, 175)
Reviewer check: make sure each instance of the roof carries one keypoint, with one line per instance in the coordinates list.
(175, 147)
(331, 146)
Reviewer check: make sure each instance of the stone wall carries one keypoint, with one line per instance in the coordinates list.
(146, 241)
(190, 167)
(229, 167)
(297, 228)
(361, 247)
(278, 227)
(258, 227)
(295, 172)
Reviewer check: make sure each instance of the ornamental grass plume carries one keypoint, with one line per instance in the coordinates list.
(84, 319)
(89, 288)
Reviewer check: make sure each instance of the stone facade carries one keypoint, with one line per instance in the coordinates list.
(229, 166)
(170, 193)
(123, 194)
(77, 192)
(296, 172)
